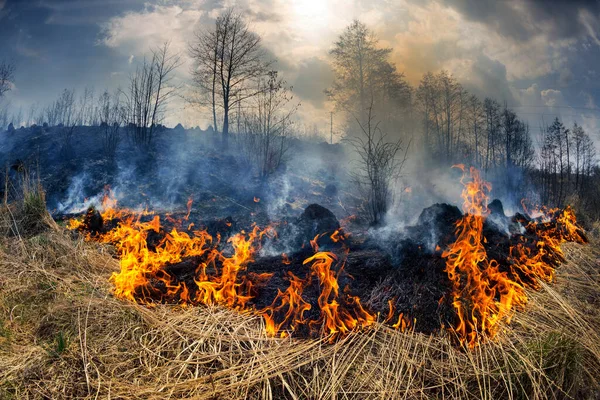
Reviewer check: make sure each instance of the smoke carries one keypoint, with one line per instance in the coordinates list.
(76, 200)
(222, 183)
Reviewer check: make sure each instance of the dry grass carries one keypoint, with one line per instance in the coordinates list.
(23, 209)
(62, 335)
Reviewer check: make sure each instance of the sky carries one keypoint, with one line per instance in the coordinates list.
(540, 57)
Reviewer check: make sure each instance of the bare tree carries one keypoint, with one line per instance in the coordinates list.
(584, 157)
(444, 104)
(228, 61)
(476, 118)
(7, 74)
(149, 92)
(267, 125)
(86, 107)
(205, 53)
(379, 166)
(4, 118)
(111, 116)
(17, 119)
(32, 113)
(426, 100)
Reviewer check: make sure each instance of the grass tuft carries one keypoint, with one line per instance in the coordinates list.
(23, 212)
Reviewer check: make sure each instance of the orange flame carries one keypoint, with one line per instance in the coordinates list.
(222, 279)
(189, 208)
(469, 270)
(483, 296)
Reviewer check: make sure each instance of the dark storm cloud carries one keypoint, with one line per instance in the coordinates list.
(53, 45)
(559, 19)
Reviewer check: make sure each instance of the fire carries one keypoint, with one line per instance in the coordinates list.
(339, 314)
(336, 320)
(292, 303)
(483, 294)
(221, 276)
(189, 208)
(337, 236)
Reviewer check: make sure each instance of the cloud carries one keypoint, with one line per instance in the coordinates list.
(430, 39)
(495, 48)
(590, 23)
(552, 97)
(28, 52)
(485, 77)
(136, 32)
(437, 34)
(538, 107)
(529, 96)
(522, 19)
(82, 12)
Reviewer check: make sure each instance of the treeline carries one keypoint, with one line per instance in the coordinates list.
(567, 164)
(458, 127)
(68, 109)
(449, 125)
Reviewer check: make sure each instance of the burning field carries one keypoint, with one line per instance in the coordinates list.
(482, 278)
(142, 304)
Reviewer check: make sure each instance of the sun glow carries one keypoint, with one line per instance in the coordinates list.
(313, 16)
(310, 8)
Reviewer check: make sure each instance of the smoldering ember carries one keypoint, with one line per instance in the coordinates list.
(299, 200)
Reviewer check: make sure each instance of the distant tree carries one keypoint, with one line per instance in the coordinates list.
(227, 63)
(267, 125)
(62, 110)
(363, 76)
(149, 92)
(476, 124)
(380, 163)
(4, 118)
(518, 147)
(555, 163)
(17, 119)
(445, 105)
(426, 100)
(584, 157)
(86, 107)
(558, 134)
(492, 109)
(205, 70)
(32, 114)
(111, 115)
(7, 74)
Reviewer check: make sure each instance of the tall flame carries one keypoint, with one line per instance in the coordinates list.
(483, 296)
